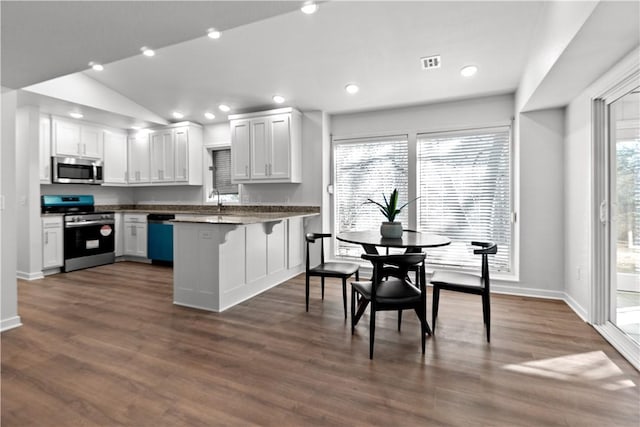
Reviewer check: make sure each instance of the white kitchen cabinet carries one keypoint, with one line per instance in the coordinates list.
(240, 150)
(135, 235)
(76, 139)
(119, 237)
(115, 158)
(52, 242)
(45, 149)
(181, 154)
(266, 146)
(138, 158)
(162, 155)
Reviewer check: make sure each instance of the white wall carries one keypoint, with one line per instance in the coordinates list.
(102, 195)
(8, 234)
(541, 212)
(558, 24)
(539, 149)
(28, 193)
(579, 203)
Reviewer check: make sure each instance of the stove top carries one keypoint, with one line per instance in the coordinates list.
(78, 204)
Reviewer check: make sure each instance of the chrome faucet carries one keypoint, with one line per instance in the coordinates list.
(219, 200)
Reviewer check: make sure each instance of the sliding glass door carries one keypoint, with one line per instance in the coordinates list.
(624, 213)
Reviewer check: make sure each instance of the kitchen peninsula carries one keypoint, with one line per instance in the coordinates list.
(222, 260)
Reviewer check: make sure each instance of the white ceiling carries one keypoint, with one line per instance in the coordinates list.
(271, 48)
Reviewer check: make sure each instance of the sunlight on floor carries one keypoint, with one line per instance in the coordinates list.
(583, 367)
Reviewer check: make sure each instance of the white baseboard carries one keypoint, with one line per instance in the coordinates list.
(10, 323)
(29, 276)
(577, 308)
(527, 292)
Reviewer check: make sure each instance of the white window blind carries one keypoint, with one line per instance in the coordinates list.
(464, 184)
(367, 168)
(221, 160)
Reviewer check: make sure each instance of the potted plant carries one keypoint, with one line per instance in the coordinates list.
(391, 228)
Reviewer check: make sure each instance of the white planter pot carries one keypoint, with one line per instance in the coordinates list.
(391, 230)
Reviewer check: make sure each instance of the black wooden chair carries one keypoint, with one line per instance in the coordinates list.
(390, 289)
(341, 270)
(467, 283)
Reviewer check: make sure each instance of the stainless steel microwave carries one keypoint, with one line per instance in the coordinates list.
(70, 170)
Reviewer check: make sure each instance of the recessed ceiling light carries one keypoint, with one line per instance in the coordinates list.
(209, 115)
(469, 71)
(278, 99)
(309, 8)
(95, 66)
(213, 33)
(352, 88)
(147, 52)
(224, 108)
(76, 115)
(177, 115)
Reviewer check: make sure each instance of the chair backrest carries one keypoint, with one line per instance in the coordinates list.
(311, 238)
(486, 249)
(400, 266)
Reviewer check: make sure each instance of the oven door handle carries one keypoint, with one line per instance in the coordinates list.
(89, 223)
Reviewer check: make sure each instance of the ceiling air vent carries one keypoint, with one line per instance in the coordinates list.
(430, 62)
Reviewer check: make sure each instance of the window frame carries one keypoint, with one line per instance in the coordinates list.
(412, 135)
(207, 161)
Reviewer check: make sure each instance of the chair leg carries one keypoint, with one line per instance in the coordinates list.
(357, 275)
(306, 288)
(488, 321)
(422, 315)
(353, 310)
(399, 319)
(344, 295)
(434, 310)
(322, 284)
(372, 330)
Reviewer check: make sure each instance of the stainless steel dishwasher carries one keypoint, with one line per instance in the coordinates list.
(160, 237)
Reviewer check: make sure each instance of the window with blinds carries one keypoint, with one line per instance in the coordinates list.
(367, 168)
(221, 160)
(464, 184)
(219, 177)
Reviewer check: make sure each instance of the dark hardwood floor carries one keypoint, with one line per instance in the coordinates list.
(106, 347)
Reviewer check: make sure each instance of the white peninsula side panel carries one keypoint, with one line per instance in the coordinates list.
(217, 266)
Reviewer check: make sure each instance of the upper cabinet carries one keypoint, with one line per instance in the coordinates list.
(138, 159)
(171, 155)
(266, 146)
(76, 139)
(115, 158)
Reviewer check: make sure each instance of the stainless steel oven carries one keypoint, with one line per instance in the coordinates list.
(89, 236)
(89, 240)
(69, 170)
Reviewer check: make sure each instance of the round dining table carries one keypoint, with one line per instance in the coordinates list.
(410, 240)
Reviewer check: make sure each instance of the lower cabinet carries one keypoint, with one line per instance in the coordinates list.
(135, 235)
(52, 242)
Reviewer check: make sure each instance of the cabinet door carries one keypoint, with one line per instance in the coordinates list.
(66, 138)
(130, 239)
(240, 148)
(115, 158)
(139, 159)
(162, 156)
(52, 244)
(45, 150)
(141, 240)
(280, 138)
(91, 142)
(259, 148)
(181, 145)
(119, 234)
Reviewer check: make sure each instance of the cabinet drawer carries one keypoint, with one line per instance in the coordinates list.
(135, 218)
